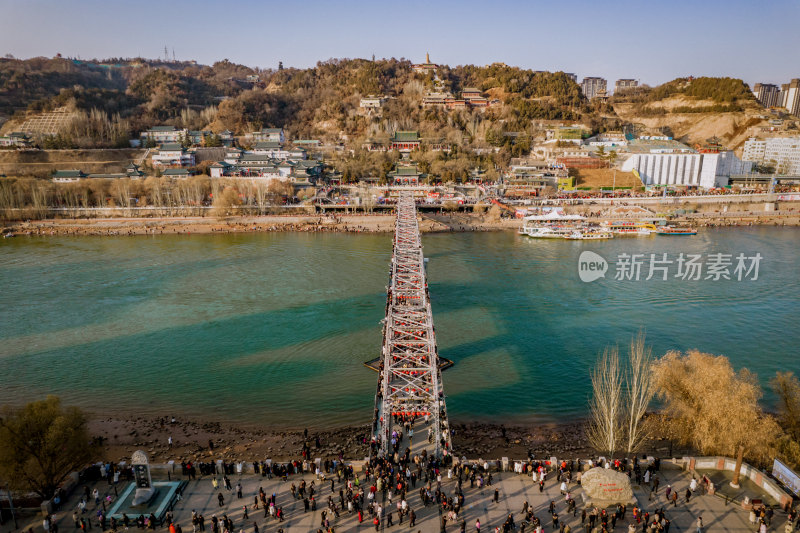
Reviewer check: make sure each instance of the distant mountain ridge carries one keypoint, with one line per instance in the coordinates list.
(324, 101)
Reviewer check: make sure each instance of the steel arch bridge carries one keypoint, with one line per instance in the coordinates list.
(410, 381)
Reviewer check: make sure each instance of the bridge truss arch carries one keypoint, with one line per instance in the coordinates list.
(410, 386)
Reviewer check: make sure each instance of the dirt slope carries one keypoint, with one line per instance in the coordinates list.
(697, 127)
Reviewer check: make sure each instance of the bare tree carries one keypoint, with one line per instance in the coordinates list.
(262, 195)
(198, 188)
(605, 422)
(639, 391)
(248, 192)
(40, 198)
(99, 191)
(122, 191)
(71, 195)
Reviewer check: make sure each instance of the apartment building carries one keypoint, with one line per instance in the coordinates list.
(593, 87)
(783, 153)
(767, 94)
(625, 83)
(792, 102)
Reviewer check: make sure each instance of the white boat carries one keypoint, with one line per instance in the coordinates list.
(546, 232)
(629, 228)
(633, 232)
(589, 235)
(551, 225)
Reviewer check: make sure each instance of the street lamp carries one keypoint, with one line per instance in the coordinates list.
(11, 504)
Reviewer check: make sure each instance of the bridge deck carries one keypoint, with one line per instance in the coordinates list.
(409, 402)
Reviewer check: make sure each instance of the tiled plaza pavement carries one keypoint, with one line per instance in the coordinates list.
(514, 490)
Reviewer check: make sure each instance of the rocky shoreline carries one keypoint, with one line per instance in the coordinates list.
(342, 223)
(354, 223)
(195, 440)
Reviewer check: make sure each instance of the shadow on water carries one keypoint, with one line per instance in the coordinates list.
(279, 332)
(550, 326)
(93, 289)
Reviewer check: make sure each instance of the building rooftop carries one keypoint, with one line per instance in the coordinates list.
(176, 172)
(74, 173)
(264, 165)
(267, 145)
(406, 171)
(171, 147)
(406, 136)
(255, 157)
(108, 176)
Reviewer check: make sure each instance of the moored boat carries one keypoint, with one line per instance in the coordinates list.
(629, 228)
(547, 232)
(589, 235)
(674, 230)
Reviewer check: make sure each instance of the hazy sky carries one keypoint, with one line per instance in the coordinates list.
(653, 41)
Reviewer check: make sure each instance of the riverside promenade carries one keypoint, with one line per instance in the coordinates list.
(513, 491)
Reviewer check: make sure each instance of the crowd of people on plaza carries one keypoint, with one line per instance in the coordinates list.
(394, 490)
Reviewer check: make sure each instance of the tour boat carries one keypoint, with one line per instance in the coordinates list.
(629, 228)
(634, 232)
(673, 230)
(589, 235)
(547, 232)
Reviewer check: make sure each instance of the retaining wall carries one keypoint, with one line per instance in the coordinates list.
(762, 480)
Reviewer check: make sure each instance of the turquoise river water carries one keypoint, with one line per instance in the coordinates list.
(272, 328)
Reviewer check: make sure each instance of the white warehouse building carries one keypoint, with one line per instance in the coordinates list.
(666, 169)
(706, 170)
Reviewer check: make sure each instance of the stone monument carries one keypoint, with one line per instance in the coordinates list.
(144, 484)
(605, 487)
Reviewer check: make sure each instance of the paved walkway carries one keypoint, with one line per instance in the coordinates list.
(514, 490)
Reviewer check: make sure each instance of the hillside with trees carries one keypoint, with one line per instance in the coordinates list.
(115, 99)
(24, 82)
